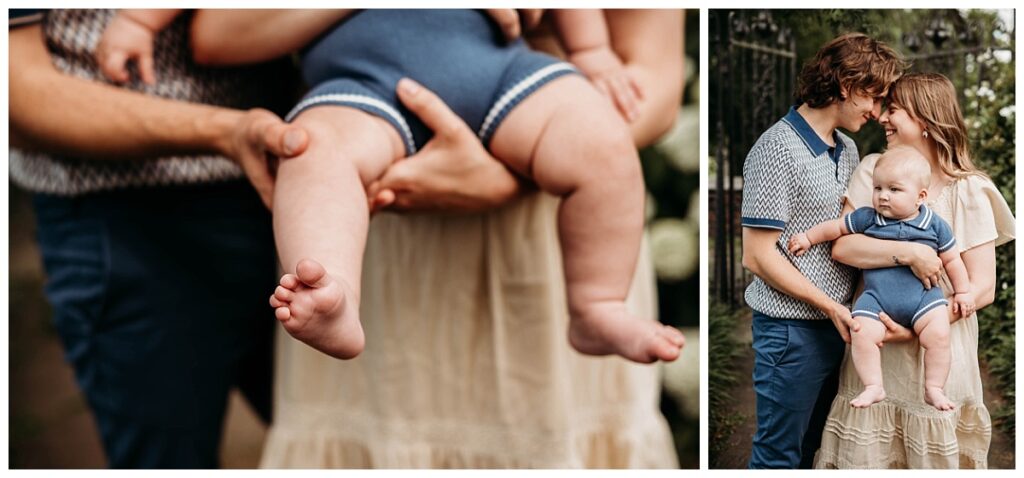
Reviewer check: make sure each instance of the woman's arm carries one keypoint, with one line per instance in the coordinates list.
(235, 37)
(865, 252)
(63, 115)
(980, 262)
(651, 44)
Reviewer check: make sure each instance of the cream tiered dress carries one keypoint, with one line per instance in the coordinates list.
(903, 431)
(467, 362)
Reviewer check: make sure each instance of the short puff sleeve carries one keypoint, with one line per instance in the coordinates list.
(980, 214)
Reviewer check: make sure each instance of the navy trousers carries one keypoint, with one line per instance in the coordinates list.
(796, 377)
(160, 298)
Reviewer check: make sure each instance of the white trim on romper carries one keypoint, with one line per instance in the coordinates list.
(342, 98)
(849, 223)
(879, 220)
(865, 312)
(516, 90)
(927, 308)
(927, 218)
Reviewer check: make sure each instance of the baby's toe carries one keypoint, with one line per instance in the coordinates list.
(290, 281)
(283, 294)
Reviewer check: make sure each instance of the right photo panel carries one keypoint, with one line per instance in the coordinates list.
(861, 256)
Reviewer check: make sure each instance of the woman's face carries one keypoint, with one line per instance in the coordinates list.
(900, 128)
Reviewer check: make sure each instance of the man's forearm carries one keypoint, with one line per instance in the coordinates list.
(59, 114)
(761, 257)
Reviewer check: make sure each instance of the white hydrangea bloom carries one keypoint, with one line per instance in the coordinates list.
(681, 378)
(674, 248)
(682, 143)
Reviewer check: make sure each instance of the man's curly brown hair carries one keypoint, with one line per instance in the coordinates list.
(853, 62)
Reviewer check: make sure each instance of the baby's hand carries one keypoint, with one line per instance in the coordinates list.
(799, 244)
(606, 71)
(126, 39)
(963, 304)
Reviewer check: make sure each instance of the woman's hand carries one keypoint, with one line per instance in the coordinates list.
(258, 138)
(925, 264)
(452, 173)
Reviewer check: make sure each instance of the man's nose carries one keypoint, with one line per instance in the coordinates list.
(876, 110)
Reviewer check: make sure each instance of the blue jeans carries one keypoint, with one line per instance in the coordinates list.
(796, 376)
(159, 296)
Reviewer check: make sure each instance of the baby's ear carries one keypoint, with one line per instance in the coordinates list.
(922, 196)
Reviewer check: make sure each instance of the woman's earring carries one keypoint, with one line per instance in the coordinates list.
(925, 134)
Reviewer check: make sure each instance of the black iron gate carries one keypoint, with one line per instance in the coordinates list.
(753, 68)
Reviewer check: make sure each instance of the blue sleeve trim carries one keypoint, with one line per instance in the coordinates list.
(19, 17)
(947, 246)
(762, 223)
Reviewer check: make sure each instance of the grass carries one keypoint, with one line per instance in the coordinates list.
(723, 350)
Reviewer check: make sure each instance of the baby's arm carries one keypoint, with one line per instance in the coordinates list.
(800, 242)
(129, 36)
(584, 35)
(963, 302)
(235, 37)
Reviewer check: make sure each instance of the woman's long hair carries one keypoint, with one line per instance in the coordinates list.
(931, 99)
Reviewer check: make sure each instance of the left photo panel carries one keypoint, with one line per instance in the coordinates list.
(354, 238)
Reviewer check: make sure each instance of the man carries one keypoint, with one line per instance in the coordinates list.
(795, 177)
(153, 226)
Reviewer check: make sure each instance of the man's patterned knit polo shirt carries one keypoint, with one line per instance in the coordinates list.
(792, 180)
(71, 37)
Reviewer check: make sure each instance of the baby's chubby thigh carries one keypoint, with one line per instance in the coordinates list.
(563, 132)
(932, 328)
(341, 137)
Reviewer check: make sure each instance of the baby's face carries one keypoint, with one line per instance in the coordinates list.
(896, 194)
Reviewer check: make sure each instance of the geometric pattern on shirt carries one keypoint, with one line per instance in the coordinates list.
(789, 188)
(72, 36)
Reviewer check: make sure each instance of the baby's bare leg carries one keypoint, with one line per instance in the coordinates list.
(867, 359)
(572, 143)
(933, 331)
(320, 225)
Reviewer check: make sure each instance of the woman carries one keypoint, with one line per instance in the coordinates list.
(903, 431)
(466, 364)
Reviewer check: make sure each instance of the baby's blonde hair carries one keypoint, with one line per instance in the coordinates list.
(909, 162)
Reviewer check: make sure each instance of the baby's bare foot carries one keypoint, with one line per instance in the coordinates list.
(934, 397)
(318, 310)
(872, 394)
(608, 328)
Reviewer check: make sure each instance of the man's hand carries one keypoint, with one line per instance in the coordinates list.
(257, 139)
(452, 173)
(926, 265)
(893, 332)
(841, 318)
(513, 21)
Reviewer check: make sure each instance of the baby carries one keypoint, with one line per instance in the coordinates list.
(901, 178)
(533, 112)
